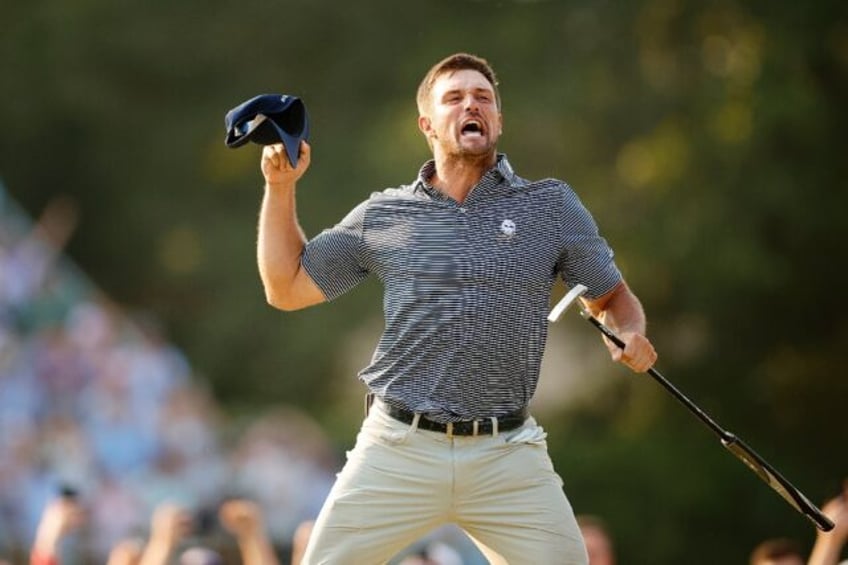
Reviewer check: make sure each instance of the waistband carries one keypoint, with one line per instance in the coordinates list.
(478, 427)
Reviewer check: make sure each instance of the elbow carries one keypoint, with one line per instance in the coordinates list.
(291, 293)
(282, 302)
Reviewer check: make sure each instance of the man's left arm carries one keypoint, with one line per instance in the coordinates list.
(622, 312)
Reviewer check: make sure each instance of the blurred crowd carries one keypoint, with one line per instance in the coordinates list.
(96, 405)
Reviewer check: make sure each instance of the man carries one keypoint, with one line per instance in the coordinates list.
(467, 254)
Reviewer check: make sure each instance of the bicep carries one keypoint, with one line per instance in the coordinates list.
(301, 293)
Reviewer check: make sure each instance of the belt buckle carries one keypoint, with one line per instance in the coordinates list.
(449, 429)
(475, 428)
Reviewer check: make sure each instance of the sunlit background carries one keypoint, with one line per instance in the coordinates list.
(139, 360)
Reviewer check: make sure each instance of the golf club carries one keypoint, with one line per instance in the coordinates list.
(730, 441)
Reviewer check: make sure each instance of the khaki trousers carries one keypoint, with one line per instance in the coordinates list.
(399, 483)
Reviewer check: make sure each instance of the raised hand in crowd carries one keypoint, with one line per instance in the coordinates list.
(827, 549)
(126, 552)
(300, 540)
(61, 516)
(171, 523)
(244, 520)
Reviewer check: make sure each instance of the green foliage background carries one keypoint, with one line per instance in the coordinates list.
(708, 138)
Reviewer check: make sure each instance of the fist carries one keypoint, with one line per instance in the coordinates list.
(276, 167)
(170, 523)
(638, 353)
(241, 517)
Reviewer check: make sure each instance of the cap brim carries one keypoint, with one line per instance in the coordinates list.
(291, 143)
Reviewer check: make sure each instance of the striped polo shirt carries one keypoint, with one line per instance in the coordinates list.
(467, 286)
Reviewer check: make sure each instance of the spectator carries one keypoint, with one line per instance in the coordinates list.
(99, 398)
(172, 525)
(284, 459)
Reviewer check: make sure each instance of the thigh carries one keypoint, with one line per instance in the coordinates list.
(392, 490)
(513, 505)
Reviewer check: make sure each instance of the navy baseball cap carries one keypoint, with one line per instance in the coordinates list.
(268, 119)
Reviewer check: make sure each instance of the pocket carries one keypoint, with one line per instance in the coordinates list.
(381, 428)
(394, 437)
(530, 433)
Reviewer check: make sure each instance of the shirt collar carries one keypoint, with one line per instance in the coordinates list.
(501, 171)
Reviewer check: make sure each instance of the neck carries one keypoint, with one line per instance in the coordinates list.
(456, 175)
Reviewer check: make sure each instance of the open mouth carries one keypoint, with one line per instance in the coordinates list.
(472, 127)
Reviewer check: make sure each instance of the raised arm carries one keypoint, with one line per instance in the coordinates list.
(281, 240)
(828, 547)
(61, 516)
(169, 525)
(243, 518)
(621, 310)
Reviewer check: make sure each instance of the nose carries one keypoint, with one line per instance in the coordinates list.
(470, 103)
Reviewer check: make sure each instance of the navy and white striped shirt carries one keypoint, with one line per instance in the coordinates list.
(466, 286)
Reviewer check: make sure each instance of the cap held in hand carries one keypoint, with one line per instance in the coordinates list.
(268, 119)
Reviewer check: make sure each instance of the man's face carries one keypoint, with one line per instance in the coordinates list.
(462, 118)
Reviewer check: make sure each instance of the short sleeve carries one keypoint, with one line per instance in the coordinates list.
(333, 258)
(585, 257)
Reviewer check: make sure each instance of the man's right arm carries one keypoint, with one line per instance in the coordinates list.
(281, 240)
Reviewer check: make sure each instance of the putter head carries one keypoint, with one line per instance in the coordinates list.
(570, 297)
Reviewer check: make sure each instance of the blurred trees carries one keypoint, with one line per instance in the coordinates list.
(708, 138)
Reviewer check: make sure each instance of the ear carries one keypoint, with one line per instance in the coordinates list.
(500, 124)
(425, 125)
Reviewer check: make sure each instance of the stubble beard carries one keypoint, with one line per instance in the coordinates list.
(480, 154)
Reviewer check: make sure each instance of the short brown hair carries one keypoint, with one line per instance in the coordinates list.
(452, 63)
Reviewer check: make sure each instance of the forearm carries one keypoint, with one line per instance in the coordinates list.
(257, 550)
(280, 243)
(243, 518)
(60, 517)
(622, 311)
(156, 553)
(44, 549)
(826, 551)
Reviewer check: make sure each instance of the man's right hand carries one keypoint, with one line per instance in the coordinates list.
(278, 170)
